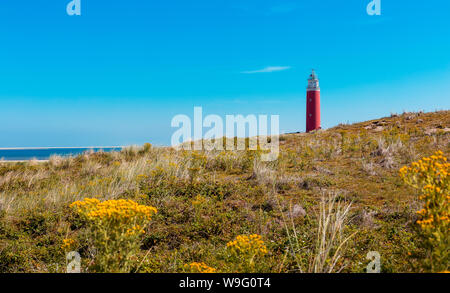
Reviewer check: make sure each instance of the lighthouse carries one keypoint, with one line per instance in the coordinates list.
(313, 103)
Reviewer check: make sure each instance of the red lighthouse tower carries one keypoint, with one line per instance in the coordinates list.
(313, 103)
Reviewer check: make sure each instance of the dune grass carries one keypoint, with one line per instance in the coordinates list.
(330, 198)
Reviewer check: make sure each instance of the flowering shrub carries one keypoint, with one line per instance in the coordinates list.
(245, 249)
(197, 163)
(67, 244)
(201, 267)
(247, 245)
(115, 228)
(431, 177)
(199, 200)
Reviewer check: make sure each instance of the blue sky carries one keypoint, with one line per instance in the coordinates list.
(117, 74)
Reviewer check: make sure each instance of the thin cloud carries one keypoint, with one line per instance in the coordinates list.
(268, 69)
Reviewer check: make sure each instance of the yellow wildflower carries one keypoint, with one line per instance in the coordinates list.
(67, 244)
(201, 267)
(248, 245)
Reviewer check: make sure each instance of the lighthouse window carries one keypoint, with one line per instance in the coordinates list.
(310, 115)
(310, 100)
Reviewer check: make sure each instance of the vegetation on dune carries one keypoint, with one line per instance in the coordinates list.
(332, 197)
(114, 229)
(199, 268)
(246, 252)
(431, 176)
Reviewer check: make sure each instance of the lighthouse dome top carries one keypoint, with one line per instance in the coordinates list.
(313, 75)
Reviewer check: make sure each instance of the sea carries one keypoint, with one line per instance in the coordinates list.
(45, 153)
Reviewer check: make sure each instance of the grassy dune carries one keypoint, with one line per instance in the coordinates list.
(330, 198)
